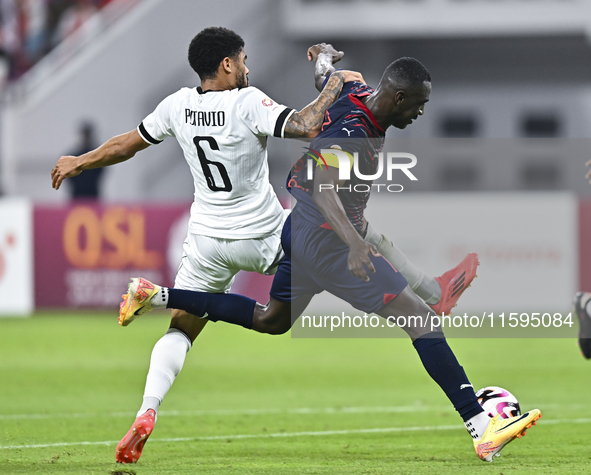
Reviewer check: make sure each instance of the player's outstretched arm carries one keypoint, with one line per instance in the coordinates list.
(332, 209)
(307, 122)
(325, 56)
(115, 150)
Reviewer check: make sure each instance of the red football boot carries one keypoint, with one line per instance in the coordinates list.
(454, 282)
(129, 449)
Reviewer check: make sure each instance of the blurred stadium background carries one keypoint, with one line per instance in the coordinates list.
(509, 119)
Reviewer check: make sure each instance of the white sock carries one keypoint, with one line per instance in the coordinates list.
(423, 285)
(160, 299)
(477, 425)
(149, 403)
(166, 363)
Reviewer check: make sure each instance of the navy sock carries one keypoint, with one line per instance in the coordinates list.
(230, 308)
(443, 367)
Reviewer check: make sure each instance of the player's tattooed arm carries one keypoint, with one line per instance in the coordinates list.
(331, 207)
(115, 150)
(325, 56)
(307, 122)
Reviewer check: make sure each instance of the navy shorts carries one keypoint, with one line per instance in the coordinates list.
(316, 260)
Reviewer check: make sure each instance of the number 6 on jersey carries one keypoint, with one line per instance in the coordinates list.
(205, 163)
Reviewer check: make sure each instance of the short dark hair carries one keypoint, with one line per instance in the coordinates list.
(209, 47)
(407, 71)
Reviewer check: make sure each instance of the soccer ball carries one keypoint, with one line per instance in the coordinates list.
(495, 400)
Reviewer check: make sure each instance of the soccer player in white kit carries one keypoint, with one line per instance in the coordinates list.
(236, 219)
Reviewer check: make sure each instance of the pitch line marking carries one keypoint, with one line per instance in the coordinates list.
(247, 412)
(287, 434)
(236, 412)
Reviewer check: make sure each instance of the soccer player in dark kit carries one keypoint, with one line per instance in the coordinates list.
(325, 249)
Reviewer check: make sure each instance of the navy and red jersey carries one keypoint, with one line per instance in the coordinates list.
(350, 126)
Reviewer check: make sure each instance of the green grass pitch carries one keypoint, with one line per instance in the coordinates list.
(255, 404)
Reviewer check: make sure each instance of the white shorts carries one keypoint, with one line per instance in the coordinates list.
(210, 264)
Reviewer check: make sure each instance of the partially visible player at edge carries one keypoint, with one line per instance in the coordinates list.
(236, 218)
(582, 303)
(325, 249)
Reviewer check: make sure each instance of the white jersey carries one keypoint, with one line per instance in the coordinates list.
(223, 135)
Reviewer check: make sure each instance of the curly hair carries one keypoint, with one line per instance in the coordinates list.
(210, 47)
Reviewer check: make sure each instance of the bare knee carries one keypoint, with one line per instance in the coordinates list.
(188, 323)
(271, 319)
(418, 316)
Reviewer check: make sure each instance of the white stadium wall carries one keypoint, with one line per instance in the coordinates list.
(527, 243)
(16, 257)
